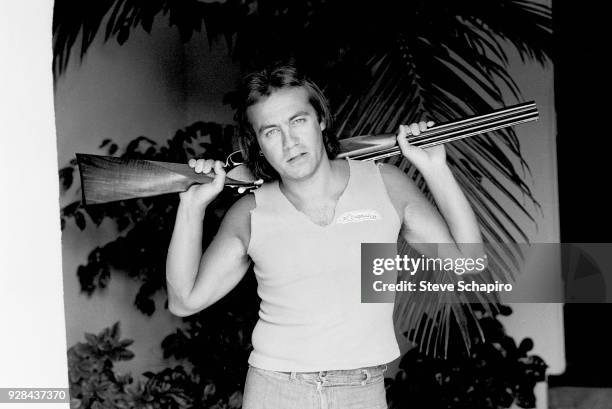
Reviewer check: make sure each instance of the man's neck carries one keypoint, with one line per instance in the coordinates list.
(322, 184)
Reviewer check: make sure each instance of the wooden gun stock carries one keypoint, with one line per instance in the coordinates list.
(107, 179)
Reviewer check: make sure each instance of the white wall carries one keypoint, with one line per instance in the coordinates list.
(32, 344)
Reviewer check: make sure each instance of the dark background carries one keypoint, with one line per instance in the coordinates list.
(581, 98)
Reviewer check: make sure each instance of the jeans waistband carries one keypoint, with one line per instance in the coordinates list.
(359, 376)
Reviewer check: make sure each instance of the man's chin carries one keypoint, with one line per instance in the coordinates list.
(298, 172)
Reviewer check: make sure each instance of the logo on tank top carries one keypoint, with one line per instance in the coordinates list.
(356, 216)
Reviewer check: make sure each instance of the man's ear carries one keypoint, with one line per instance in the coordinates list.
(322, 125)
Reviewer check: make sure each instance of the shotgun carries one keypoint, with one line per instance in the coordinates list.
(105, 178)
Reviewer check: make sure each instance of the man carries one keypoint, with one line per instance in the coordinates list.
(303, 230)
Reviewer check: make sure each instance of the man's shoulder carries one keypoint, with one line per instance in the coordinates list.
(238, 217)
(237, 220)
(242, 207)
(392, 176)
(389, 172)
(402, 190)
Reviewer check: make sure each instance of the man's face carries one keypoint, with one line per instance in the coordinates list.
(288, 132)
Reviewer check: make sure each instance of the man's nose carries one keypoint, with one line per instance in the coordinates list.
(290, 139)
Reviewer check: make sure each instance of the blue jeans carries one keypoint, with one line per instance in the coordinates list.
(362, 388)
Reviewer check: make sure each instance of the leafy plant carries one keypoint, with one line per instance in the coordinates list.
(215, 344)
(95, 385)
(93, 382)
(170, 388)
(494, 375)
(145, 225)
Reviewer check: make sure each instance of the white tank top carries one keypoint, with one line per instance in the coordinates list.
(309, 279)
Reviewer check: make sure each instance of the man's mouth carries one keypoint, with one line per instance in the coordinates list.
(296, 157)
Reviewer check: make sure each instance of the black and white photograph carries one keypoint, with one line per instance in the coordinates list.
(233, 204)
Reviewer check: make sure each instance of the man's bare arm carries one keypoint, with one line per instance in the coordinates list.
(195, 280)
(421, 221)
(454, 223)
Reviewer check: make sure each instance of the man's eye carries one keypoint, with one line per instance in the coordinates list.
(298, 121)
(271, 132)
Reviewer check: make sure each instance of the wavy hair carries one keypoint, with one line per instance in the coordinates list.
(260, 84)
